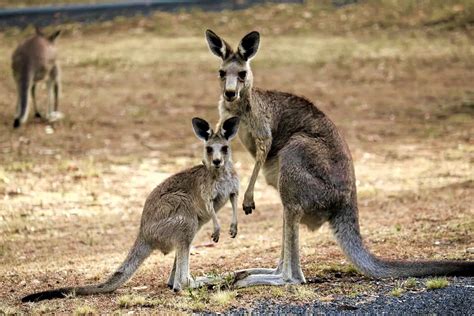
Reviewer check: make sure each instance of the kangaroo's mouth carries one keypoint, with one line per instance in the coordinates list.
(232, 99)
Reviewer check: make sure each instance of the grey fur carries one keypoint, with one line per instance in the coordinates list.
(306, 159)
(33, 60)
(173, 213)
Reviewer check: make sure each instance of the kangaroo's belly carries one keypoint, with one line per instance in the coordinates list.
(314, 220)
(223, 189)
(271, 171)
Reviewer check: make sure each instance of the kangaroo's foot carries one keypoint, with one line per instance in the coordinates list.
(16, 123)
(240, 274)
(266, 279)
(194, 283)
(38, 115)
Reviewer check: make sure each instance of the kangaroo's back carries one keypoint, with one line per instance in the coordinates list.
(294, 115)
(37, 54)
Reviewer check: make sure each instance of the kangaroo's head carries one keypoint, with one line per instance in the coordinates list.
(51, 37)
(217, 153)
(235, 73)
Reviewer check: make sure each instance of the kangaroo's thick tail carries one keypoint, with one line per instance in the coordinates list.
(345, 226)
(139, 252)
(24, 83)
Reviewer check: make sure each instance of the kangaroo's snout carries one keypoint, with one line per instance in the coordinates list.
(230, 95)
(217, 163)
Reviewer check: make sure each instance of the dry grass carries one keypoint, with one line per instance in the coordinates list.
(71, 201)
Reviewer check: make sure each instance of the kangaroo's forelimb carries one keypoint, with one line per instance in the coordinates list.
(262, 148)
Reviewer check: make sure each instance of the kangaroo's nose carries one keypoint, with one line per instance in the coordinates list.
(230, 94)
(216, 162)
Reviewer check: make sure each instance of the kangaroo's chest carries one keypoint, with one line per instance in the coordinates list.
(247, 139)
(222, 190)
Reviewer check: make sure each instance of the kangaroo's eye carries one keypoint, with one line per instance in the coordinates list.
(242, 75)
(225, 149)
(209, 149)
(222, 74)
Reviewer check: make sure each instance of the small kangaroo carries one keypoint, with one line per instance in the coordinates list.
(175, 211)
(306, 159)
(32, 61)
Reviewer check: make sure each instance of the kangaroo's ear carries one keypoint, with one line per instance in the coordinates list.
(248, 46)
(52, 38)
(229, 127)
(201, 128)
(38, 30)
(217, 45)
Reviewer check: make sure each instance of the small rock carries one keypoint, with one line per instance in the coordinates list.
(55, 116)
(470, 250)
(49, 130)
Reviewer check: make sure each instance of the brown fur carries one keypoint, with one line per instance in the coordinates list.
(34, 60)
(304, 156)
(174, 212)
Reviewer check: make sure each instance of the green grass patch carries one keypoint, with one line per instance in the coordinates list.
(410, 283)
(397, 292)
(436, 283)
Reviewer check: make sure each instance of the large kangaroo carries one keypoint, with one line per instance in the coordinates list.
(32, 61)
(306, 159)
(175, 211)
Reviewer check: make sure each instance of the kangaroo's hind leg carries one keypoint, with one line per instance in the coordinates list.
(290, 271)
(172, 274)
(181, 273)
(55, 73)
(306, 193)
(53, 95)
(33, 98)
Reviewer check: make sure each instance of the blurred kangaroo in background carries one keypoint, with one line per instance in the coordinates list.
(175, 211)
(306, 159)
(32, 61)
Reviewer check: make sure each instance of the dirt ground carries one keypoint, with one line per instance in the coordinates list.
(71, 193)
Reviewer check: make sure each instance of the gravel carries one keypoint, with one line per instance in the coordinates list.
(456, 299)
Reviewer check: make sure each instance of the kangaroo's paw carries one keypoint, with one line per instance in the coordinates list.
(233, 230)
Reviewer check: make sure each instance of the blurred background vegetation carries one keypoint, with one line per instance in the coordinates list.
(314, 15)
